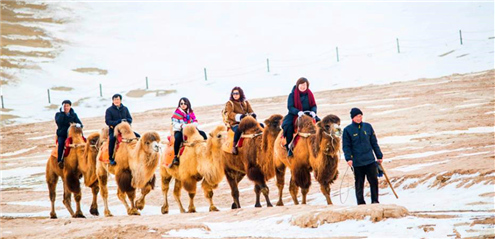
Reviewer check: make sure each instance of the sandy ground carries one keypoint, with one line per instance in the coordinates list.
(445, 126)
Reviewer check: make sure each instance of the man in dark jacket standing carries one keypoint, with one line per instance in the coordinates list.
(359, 143)
(64, 118)
(114, 115)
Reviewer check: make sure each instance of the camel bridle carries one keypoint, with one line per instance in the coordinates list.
(251, 136)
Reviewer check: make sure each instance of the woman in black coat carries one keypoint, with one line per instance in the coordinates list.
(301, 99)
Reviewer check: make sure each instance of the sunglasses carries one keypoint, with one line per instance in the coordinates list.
(182, 103)
(235, 93)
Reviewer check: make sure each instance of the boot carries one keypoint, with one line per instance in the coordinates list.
(289, 151)
(174, 162)
(61, 164)
(112, 162)
(234, 150)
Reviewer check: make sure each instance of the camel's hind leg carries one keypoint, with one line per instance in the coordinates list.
(94, 205)
(67, 199)
(177, 188)
(51, 180)
(293, 189)
(325, 189)
(77, 198)
(102, 183)
(233, 178)
(208, 190)
(257, 191)
(280, 173)
(304, 192)
(266, 192)
(144, 191)
(132, 196)
(165, 186)
(122, 197)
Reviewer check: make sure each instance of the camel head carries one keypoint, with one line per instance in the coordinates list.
(330, 125)
(273, 123)
(329, 133)
(305, 125)
(75, 129)
(125, 130)
(218, 136)
(249, 125)
(150, 142)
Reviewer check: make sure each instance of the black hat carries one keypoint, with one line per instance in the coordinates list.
(355, 111)
(117, 95)
(66, 102)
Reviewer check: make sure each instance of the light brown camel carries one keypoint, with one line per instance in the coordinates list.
(325, 155)
(137, 160)
(70, 174)
(255, 158)
(87, 166)
(200, 160)
(299, 165)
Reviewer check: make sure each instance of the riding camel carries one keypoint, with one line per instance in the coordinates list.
(137, 160)
(200, 160)
(255, 158)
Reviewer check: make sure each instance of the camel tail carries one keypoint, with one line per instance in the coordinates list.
(124, 179)
(302, 177)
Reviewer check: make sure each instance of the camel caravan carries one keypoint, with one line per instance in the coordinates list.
(241, 146)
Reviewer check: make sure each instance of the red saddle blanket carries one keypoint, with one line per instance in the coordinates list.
(67, 147)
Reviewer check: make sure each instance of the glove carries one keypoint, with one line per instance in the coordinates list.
(119, 121)
(242, 116)
(123, 120)
(313, 114)
(300, 113)
(253, 115)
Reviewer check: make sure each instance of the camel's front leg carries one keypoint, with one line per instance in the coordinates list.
(95, 189)
(325, 189)
(102, 183)
(132, 196)
(293, 189)
(144, 191)
(165, 186)
(208, 190)
(280, 173)
(67, 199)
(177, 188)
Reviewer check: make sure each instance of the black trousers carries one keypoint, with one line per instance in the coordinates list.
(111, 143)
(237, 134)
(179, 138)
(370, 171)
(60, 149)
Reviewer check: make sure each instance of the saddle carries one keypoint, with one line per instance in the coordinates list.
(67, 147)
(229, 143)
(169, 151)
(104, 156)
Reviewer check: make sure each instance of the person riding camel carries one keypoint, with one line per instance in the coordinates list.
(183, 115)
(63, 119)
(300, 100)
(236, 109)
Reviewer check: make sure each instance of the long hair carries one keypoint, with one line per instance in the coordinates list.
(187, 102)
(242, 97)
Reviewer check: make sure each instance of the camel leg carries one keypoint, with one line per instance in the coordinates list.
(132, 196)
(177, 188)
(266, 192)
(304, 192)
(67, 199)
(257, 191)
(192, 194)
(280, 173)
(102, 183)
(51, 180)
(165, 187)
(121, 195)
(208, 191)
(293, 189)
(233, 178)
(77, 198)
(144, 191)
(94, 205)
(325, 189)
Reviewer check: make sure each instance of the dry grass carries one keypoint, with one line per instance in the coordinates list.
(91, 70)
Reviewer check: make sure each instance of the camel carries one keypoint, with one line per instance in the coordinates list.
(255, 158)
(318, 149)
(325, 155)
(137, 160)
(70, 174)
(201, 160)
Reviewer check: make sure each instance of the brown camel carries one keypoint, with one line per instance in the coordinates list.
(200, 160)
(298, 164)
(137, 160)
(325, 155)
(255, 158)
(70, 174)
(88, 168)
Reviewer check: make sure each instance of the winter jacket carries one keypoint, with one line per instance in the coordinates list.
(289, 118)
(63, 121)
(235, 109)
(180, 118)
(359, 143)
(114, 115)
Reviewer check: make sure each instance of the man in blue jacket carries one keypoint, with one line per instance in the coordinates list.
(114, 115)
(359, 143)
(64, 118)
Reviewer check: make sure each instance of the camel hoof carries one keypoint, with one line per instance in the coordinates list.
(280, 203)
(257, 205)
(269, 204)
(133, 212)
(234, 206)
(191, 210)
(164, 209)
(213, 209)
(140, 204)
(108, 213)
(79, 215)
(94, 211)
(53, 215)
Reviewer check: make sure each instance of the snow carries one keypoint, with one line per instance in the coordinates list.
(171, 43)
(17, 152)
(418, 166)
(409, 138)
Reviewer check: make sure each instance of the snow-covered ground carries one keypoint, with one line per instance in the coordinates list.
(171, 44)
